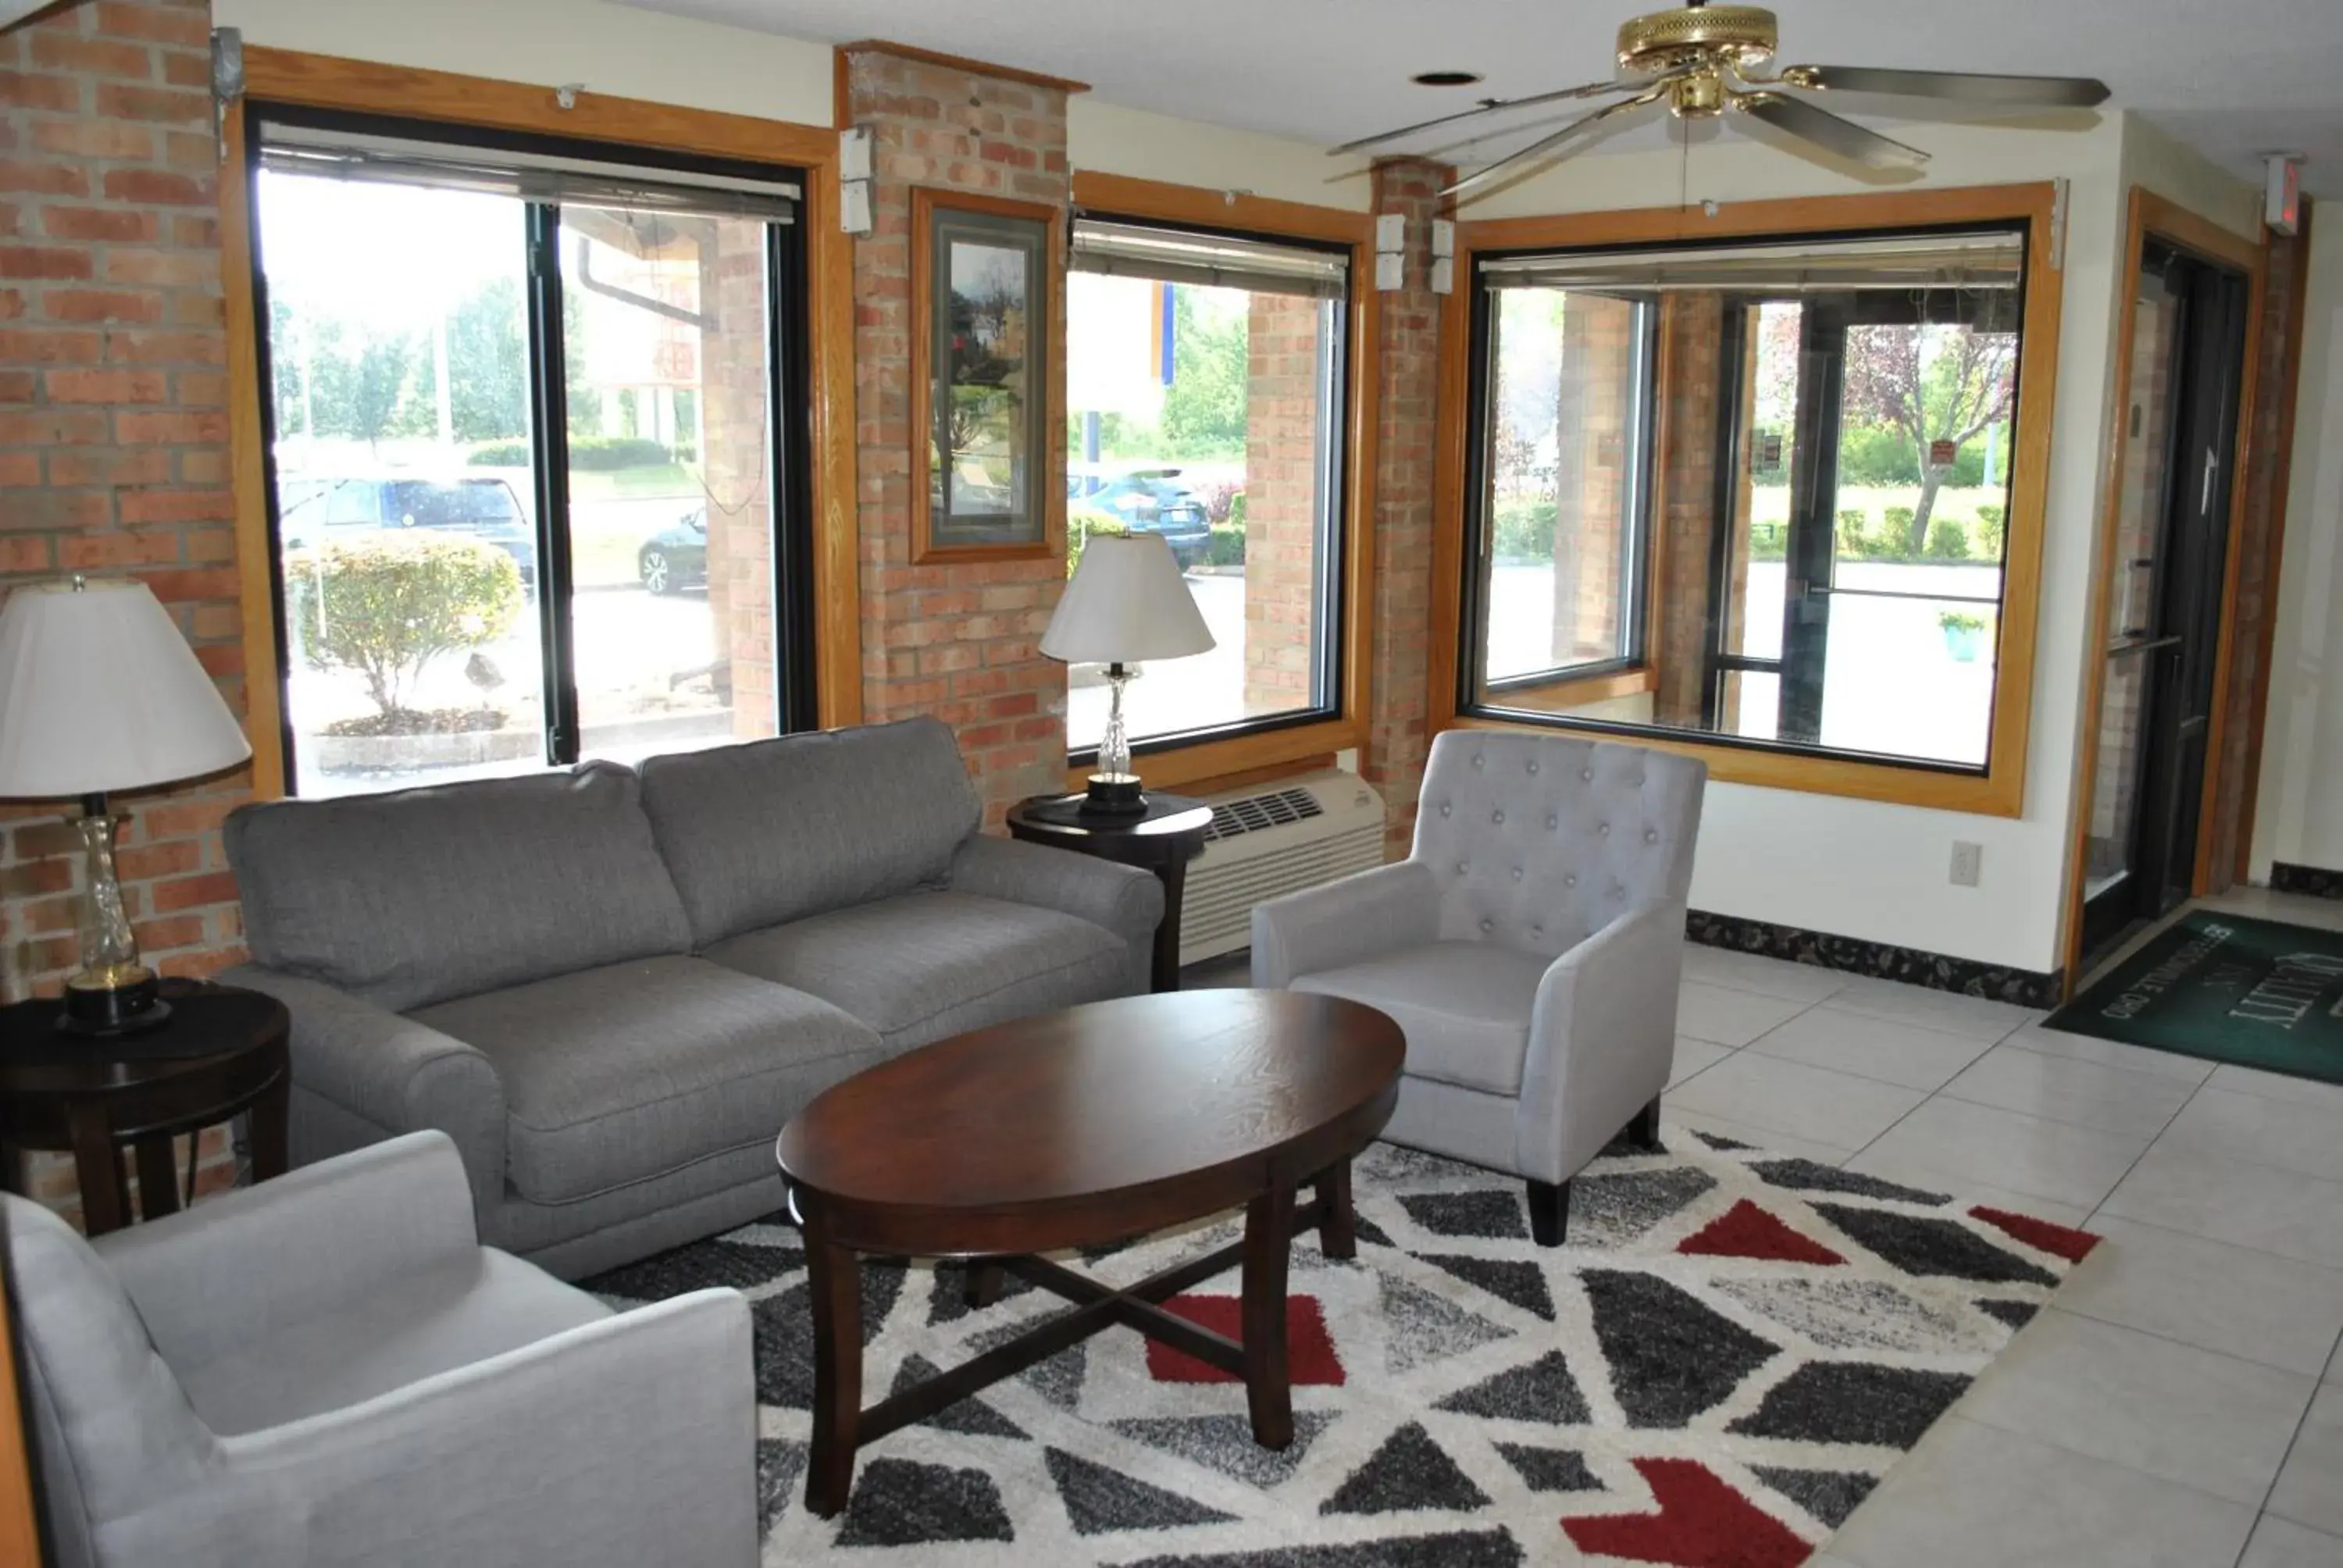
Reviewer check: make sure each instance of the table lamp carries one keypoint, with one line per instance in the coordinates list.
(99, 692)
(1127, 601)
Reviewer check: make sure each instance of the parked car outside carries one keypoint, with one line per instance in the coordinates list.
(676, 558)
(484, 508)
(1154, 501)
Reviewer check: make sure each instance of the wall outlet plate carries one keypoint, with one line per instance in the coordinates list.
(1391, 271)
(854, 152)
(1968, 864)
(1391, 232)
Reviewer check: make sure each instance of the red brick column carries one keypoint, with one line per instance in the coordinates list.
(1281, 501)
(1407, 392)
(1691, 326)
(736, 428)
(958, 641)
(1598, 346)
(114, 439)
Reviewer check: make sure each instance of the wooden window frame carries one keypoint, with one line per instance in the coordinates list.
(330, 82)
(1273, 752)
(926, 550)
(2151, 218)
(2000, 789)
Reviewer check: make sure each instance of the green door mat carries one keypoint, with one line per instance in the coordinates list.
(2256, 992)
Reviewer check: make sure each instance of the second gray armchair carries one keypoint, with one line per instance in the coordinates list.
(1529, 947)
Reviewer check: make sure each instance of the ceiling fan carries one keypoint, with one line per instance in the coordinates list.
(1703, 60)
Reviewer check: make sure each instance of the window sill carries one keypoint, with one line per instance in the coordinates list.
(1220, 761)
(1983, 795)
(1565, 691)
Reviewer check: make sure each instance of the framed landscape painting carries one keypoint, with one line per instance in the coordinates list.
(984, 399)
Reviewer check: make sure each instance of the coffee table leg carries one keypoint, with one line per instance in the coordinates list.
(1268, 1239)
(834, 1277)
(1338, 1233)
(98, 1166)
(983, 1284)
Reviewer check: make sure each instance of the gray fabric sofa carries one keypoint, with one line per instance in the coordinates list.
(329, 1369)
(611, 987)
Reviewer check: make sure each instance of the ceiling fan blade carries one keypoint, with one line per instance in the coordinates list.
(1546, 144)
(1486, 107)
(1960, 86)
(1828, 131)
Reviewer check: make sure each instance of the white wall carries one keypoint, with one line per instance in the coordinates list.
(1105, 138)
(1860, 867)
(2299, 818)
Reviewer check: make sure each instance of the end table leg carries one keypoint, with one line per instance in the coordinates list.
(268, 1127)
(834, 1277)
(983, 1283)
(158, 1177)
(98, 1168)
(1268, 1239)
(1338, 1232)
(1174, 877)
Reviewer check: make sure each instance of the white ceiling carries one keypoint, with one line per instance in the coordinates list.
(2235, 78)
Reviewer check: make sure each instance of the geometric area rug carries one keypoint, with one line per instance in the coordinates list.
(1727, 1354)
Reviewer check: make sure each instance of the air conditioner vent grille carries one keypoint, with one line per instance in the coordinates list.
(1252, 813)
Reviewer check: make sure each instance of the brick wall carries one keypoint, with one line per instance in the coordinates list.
(1407, 391)
(1592, 420)
(113, 436)
(736, 433)
(961, 641)
(1282, 501)
(1691, 326)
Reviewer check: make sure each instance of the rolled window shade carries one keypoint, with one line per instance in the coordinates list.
(328, 154)
(1984, 260)
(1215, 261)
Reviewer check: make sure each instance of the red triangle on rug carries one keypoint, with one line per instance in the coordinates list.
(1702, 1523)
(1309, 1355)
(2055, 1240)
(1745, 1231)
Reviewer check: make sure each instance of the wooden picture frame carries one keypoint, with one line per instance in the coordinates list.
(987, 387)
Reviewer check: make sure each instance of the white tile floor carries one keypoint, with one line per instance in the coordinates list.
(2169, 1408)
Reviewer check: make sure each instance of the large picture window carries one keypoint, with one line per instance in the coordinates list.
(534, 474)
(1755, 492)
(1206, 389)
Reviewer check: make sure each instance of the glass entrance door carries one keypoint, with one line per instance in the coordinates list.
(2164, 591)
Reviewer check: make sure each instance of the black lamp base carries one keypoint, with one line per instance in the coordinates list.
(103, 1014)
(1114, 795)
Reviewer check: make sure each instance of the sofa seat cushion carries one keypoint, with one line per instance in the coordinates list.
(618, 1074)
(925, 966)
(1464, 1008)
(466, 1310)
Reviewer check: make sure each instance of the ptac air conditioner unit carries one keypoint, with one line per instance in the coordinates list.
(1273, 839)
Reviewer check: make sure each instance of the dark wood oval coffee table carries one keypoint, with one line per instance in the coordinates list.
(1075, 1129)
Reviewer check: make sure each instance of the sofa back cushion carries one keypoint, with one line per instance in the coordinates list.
(417, 897)
(776, 830)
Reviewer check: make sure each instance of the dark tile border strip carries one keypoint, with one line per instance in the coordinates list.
(2027, 988)
(2316, 880)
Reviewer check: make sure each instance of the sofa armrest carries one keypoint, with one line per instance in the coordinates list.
(1346, 921)
(631, 1440)
(392, 1072)
(1603, 1040)
(238, 1267)
(1125, 899)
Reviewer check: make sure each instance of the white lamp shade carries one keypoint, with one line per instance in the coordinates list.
(99, 692)
(1127, 602)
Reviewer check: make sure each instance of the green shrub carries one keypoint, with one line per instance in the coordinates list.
(1854, 541)
(1947, 540)
(1767, 542)
(502, 455)
(587, 454)
(1228, 546)
(1895, 540)
(1524, 531)
(1877, 454)
(1960, 620)
(1082, 520)
(1990, 523)
(1236, 512)
(388, 605)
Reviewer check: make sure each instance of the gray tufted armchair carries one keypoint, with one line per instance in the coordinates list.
(1528, 948)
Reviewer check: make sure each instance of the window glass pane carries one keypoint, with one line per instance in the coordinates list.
(1562, 577)
(1830, 497)
(665, 339)
(1209, 416)
(398, 339)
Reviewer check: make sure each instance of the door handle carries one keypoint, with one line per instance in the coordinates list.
(2212, 467)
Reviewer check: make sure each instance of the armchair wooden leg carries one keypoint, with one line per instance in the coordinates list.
(1549, 1212)
(1644, 1130)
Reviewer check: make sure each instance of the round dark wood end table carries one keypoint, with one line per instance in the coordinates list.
(1075, 1129)
(221, 1054)
(1162, 840)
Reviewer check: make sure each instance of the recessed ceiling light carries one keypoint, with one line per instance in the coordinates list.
(1445, 78)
